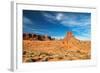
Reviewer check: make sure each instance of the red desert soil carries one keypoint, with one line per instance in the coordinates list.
(68, 48)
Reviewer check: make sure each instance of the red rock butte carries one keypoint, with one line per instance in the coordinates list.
(69, 35)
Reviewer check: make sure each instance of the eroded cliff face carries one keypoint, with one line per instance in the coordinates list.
(72, 43)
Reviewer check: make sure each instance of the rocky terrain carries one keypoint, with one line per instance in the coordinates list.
(30, 36)
(41, 48)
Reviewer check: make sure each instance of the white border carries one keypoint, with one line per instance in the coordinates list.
(13, 37)
(17, 46)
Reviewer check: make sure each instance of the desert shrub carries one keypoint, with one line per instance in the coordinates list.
(44, 53)
(34, 53)
(60, 57)
(50, 57)
(78, 51)
(29, 60)
(45, 58)
(24, 52)
(66, 55)
(86, 57)
(33, 60)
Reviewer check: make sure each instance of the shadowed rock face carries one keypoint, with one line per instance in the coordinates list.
(28, 36)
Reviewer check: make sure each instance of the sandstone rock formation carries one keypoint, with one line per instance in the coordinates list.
(68, 36)
(31, 36)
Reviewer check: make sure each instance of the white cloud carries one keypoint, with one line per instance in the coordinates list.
(55, 17)
(49, 16)
(59, 16)
(27, 20)
(70, 23)
(68, 19)
(82, 38)
(73, 21)
(58, 37)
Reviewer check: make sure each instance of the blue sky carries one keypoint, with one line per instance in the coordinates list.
(57, 24)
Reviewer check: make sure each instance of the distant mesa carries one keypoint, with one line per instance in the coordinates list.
(32, 36)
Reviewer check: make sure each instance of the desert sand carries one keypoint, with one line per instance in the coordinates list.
(69, 48)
